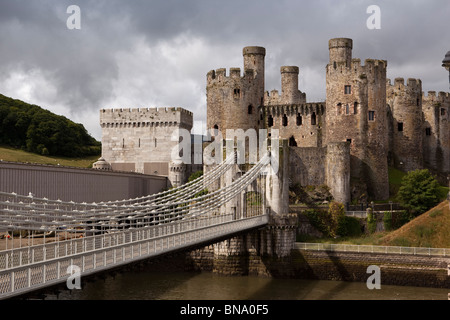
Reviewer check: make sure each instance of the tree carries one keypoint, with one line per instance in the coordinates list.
(419, 191)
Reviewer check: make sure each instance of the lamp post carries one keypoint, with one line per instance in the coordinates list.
(446, 64)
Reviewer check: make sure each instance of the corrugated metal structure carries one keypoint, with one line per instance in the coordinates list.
(76, 184)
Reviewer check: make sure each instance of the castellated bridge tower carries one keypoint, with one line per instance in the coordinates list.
(356, 113)
(404, 103)
(233, 100)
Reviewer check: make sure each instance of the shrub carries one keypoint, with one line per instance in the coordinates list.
(371, 222)
(349, 227)
(419, 191)
(387, 221)
(327, 221)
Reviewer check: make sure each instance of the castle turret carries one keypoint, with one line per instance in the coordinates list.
(356, 112)
(340, 51)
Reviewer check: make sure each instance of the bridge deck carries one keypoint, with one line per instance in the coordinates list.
(31, 268)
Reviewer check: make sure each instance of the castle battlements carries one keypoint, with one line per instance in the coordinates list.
(220, 75)
(440, 97)
(399, 84)
(146, 117)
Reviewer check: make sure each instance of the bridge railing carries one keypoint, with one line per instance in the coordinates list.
(102, 253)
(17, 257)
(445, 252)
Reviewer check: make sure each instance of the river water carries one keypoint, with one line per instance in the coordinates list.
(159, 285)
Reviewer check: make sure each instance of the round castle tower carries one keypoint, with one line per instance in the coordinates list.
(405, 123)
(356, 113)
(233, 100)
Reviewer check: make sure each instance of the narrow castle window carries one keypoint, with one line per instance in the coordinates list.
(299, 119)
(371, 115)
(347, 89)
(334, 65)
(347, 109)
(442, 112)
(237, 93)
(139, 143)
(355, 108)
(418, 102)
(285, 121)
(156, 143)
(400, 126)
(270, 121)
(250, 109)
(428, 131)
(313, 119)
(123, 143)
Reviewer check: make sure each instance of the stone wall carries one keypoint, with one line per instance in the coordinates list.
(302, 124)
(140, 140)
(306, 166)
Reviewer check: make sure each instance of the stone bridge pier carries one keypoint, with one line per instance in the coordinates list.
(257, 251)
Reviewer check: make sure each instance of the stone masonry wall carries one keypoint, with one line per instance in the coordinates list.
(139, 140)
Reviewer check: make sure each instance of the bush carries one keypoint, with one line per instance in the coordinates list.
(371, 222)
(327, 221)
(419, 191)
(349, 227)
(387, 221)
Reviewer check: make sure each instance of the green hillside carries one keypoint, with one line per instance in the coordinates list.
(34, 129)
(16, 155)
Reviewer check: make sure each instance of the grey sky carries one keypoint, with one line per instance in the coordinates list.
(157, 53)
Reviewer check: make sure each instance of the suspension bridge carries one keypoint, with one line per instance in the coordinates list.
(44, 238)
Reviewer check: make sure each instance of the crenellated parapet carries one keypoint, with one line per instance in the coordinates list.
(146, 117)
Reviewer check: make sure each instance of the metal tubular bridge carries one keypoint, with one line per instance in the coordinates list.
(46, 237)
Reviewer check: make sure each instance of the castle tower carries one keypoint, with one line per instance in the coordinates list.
(436, 130)
(337, 170)
(340, 52)
(233, 101)
(140, 139)
(290, 94)
(177, 173)
(356, 113)
(404, 102)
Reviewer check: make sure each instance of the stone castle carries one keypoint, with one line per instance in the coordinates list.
(347, 142)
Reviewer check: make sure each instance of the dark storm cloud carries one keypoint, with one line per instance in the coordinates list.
(136, 53)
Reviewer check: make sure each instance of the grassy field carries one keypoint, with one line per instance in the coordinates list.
(16, 155)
